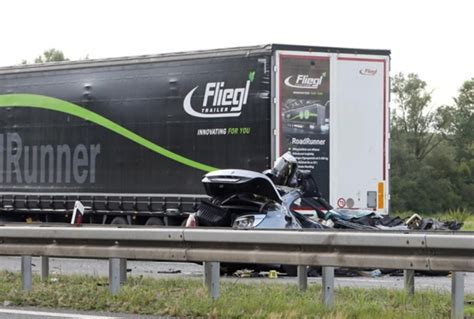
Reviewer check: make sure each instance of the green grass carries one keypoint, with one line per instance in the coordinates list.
(188, 298)
(459, 215)
(468, 224)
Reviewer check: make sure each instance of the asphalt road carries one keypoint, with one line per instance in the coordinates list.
(171, 269)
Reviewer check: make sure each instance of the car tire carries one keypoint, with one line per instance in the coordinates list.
(118, 220)
(154, 221)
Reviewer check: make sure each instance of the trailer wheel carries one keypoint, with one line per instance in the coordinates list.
(152, 221)
(119, 221)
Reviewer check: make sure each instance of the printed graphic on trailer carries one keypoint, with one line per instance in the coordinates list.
(304, 108)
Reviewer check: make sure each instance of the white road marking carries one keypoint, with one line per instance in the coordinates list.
(52, 314)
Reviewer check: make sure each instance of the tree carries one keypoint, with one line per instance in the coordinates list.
(413, 117)
(419, 181)
(456, 122)
(432, 160)
(51, 55)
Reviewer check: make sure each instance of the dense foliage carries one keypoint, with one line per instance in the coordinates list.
(432, 149)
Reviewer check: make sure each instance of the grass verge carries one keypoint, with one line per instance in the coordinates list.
(188, 298)
(468, 224)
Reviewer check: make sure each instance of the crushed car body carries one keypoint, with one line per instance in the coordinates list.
(243, 199)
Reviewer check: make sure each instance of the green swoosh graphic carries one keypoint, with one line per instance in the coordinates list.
(54, 104)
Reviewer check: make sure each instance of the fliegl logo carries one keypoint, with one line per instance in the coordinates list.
(368, 71)
(219, 100)
(304, 81)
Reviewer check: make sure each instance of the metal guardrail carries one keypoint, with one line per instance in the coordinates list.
(449, 251)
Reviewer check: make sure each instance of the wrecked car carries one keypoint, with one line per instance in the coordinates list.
(243, 199)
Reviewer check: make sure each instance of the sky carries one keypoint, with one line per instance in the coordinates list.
(431, 38)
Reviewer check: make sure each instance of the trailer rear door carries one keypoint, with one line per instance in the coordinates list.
(331, 112)
(360, 118)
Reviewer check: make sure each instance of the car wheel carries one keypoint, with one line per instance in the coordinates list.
(119, 221)
(154, 221)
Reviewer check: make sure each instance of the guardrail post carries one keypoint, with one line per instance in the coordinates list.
(457, 295)
(327, 275)
(115, 275)
(211, 278)
(123, 270)
(26, 272)
(302, 277)
(409, 281)
(44, 268)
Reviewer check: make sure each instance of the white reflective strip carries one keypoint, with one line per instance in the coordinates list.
(52, 314)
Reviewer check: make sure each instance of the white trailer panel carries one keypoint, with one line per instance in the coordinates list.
(360, 117)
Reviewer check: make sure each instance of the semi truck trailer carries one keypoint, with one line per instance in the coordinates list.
(132, 137)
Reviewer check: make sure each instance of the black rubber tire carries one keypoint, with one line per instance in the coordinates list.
(154, 221)
(118, 220)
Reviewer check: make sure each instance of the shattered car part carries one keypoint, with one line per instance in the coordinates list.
(370, 220)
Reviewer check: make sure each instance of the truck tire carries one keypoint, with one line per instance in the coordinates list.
(119, 221)
(154, 221)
